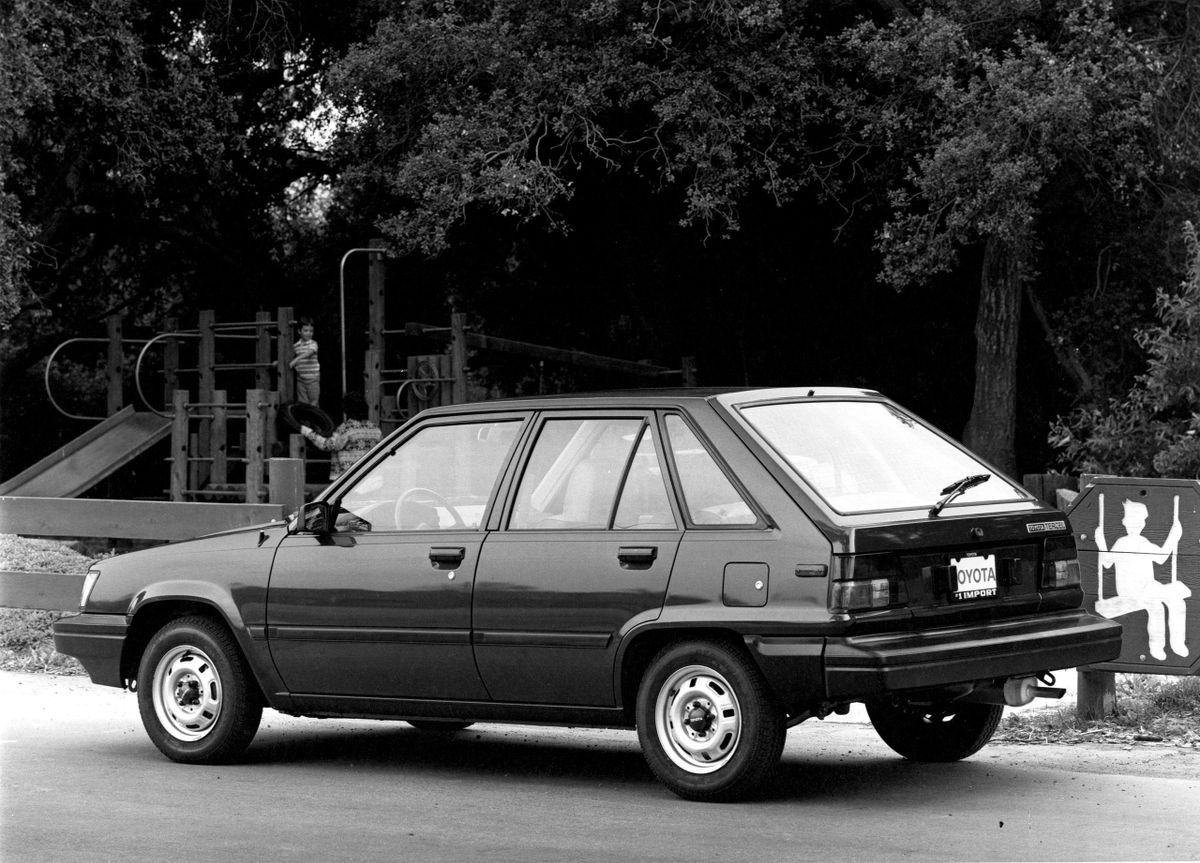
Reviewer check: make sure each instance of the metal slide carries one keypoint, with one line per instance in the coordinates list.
(98, 452)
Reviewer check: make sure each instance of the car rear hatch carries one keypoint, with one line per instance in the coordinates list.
(948, 571)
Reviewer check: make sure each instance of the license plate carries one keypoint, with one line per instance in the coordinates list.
(974, 576)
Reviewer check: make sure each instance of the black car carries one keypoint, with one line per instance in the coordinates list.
(710, 567)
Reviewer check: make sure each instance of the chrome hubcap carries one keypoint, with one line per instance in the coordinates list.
(698, 719)
(187, 693)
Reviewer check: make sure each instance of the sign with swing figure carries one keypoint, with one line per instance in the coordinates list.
(1138, 542)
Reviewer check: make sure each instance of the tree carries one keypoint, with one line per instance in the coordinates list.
(994, 121)
(1154, 429)
(948, 132)
(146, 153)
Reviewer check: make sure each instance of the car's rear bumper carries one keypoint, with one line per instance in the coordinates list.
(861, 666)
(96, 640)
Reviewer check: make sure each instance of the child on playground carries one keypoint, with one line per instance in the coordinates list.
(350, 440)
(306, 365)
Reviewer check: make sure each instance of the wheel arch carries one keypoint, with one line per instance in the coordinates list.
(153, 614)
(639, 648)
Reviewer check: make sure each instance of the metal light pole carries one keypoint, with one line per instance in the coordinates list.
(342, 288)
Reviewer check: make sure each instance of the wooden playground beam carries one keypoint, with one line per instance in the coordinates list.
(478, 341)
(128, 519)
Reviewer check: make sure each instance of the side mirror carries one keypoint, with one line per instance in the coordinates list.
(314, 517)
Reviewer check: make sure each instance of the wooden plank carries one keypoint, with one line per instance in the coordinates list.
(115, 365)
(1096, 695)
(256, 444)
(262, 350)
(1137, 540)
(285, 483)
(127, 519)
(179, 446)
(286, 349)
(46, 591)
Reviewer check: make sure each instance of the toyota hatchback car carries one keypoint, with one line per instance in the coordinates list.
(708, 567)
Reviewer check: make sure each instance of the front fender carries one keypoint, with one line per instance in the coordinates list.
(165, 600)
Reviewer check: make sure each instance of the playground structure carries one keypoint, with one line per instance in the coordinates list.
(223, 385)
(212, 456)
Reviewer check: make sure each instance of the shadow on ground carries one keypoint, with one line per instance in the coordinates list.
(602, 758)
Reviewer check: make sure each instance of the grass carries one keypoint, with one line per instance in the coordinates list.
(27, 645)
(1149, 708)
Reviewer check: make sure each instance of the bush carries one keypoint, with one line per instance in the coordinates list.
(1154, 431)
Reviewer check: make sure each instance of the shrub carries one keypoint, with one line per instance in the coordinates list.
(1154, 431)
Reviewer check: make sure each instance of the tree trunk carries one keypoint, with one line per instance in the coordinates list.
(992, 425)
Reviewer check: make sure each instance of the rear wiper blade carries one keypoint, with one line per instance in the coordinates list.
(953, 490)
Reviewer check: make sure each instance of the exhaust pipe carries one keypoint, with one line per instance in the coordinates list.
(1015, 692)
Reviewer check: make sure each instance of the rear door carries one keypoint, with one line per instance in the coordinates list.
(583, 554)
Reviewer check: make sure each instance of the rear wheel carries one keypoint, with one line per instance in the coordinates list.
(197, 700)
(707, 723)
(934, 732)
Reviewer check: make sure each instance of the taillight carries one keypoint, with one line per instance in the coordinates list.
(1060, 566)
(864, 583)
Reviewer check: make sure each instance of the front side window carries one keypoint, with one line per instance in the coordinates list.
(710, 497)
(870, 456)
(438, 479)
(593, 474)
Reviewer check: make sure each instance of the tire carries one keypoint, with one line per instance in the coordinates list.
(707, 723)
(292, 415)
(198, 702)
(444, 725)
(934, 732)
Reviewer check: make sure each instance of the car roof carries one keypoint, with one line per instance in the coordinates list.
(655, 397)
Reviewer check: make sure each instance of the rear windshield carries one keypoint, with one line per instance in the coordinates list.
(869, 456)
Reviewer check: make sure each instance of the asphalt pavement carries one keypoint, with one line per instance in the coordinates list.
(80, 781)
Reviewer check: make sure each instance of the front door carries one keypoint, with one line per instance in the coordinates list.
(380, 606)
(585, 555)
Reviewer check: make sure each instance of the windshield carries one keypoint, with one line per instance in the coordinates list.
(869, 456)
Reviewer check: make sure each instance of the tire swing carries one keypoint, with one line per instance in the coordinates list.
(295, 414)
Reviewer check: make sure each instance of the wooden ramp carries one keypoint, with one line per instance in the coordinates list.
(98, 452)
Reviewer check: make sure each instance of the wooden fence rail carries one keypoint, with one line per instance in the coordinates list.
(46, 591)
(110, 519)
(127, 519)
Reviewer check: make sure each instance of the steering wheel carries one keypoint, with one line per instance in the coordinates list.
(426, 494)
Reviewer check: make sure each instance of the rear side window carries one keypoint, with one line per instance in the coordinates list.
(593, 474)
(709, 496)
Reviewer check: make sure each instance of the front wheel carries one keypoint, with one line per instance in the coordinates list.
(707, 724)
(198, 702)
(934, 732)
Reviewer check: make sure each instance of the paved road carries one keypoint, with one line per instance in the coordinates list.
(81, 782)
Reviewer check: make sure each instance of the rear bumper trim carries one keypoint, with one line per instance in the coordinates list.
(861, 666)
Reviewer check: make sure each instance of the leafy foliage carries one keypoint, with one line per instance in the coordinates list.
(503, 107)
(1153, 430)
(991, 119)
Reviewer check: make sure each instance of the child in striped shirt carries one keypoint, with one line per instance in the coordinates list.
(306, 365)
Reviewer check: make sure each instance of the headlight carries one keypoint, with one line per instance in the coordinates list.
(88, 583)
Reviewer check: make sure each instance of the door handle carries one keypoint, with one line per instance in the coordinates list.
(442, 555)
(639, 556)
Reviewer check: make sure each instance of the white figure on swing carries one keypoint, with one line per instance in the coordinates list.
(1133, 556)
